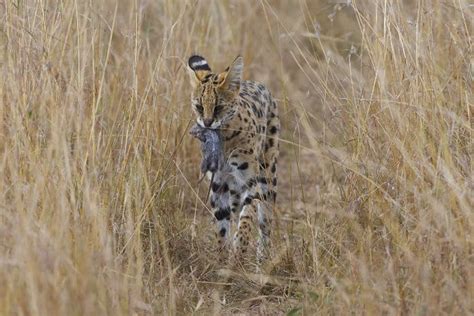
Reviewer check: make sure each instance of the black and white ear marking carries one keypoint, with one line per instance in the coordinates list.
(198, 63)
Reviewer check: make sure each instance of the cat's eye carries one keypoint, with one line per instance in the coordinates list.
(199, 108)
(218, 109)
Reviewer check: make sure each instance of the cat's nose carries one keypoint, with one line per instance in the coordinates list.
(207, 122)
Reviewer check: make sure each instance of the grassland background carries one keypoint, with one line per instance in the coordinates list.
(100, 210)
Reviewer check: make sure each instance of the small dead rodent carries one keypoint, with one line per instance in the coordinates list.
(211, 148)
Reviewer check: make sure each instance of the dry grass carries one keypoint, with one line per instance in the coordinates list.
(100, 211)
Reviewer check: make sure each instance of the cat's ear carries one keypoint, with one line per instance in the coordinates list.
(198, 69)
(230, 79)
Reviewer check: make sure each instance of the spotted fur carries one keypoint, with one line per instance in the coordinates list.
(247, 117)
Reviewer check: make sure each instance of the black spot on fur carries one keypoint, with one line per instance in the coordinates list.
(222, 213)
(273, 130)
(222, 232)
(243, 166)
(274, 168)
(251, 182)
(215, 186)
(225, 188)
